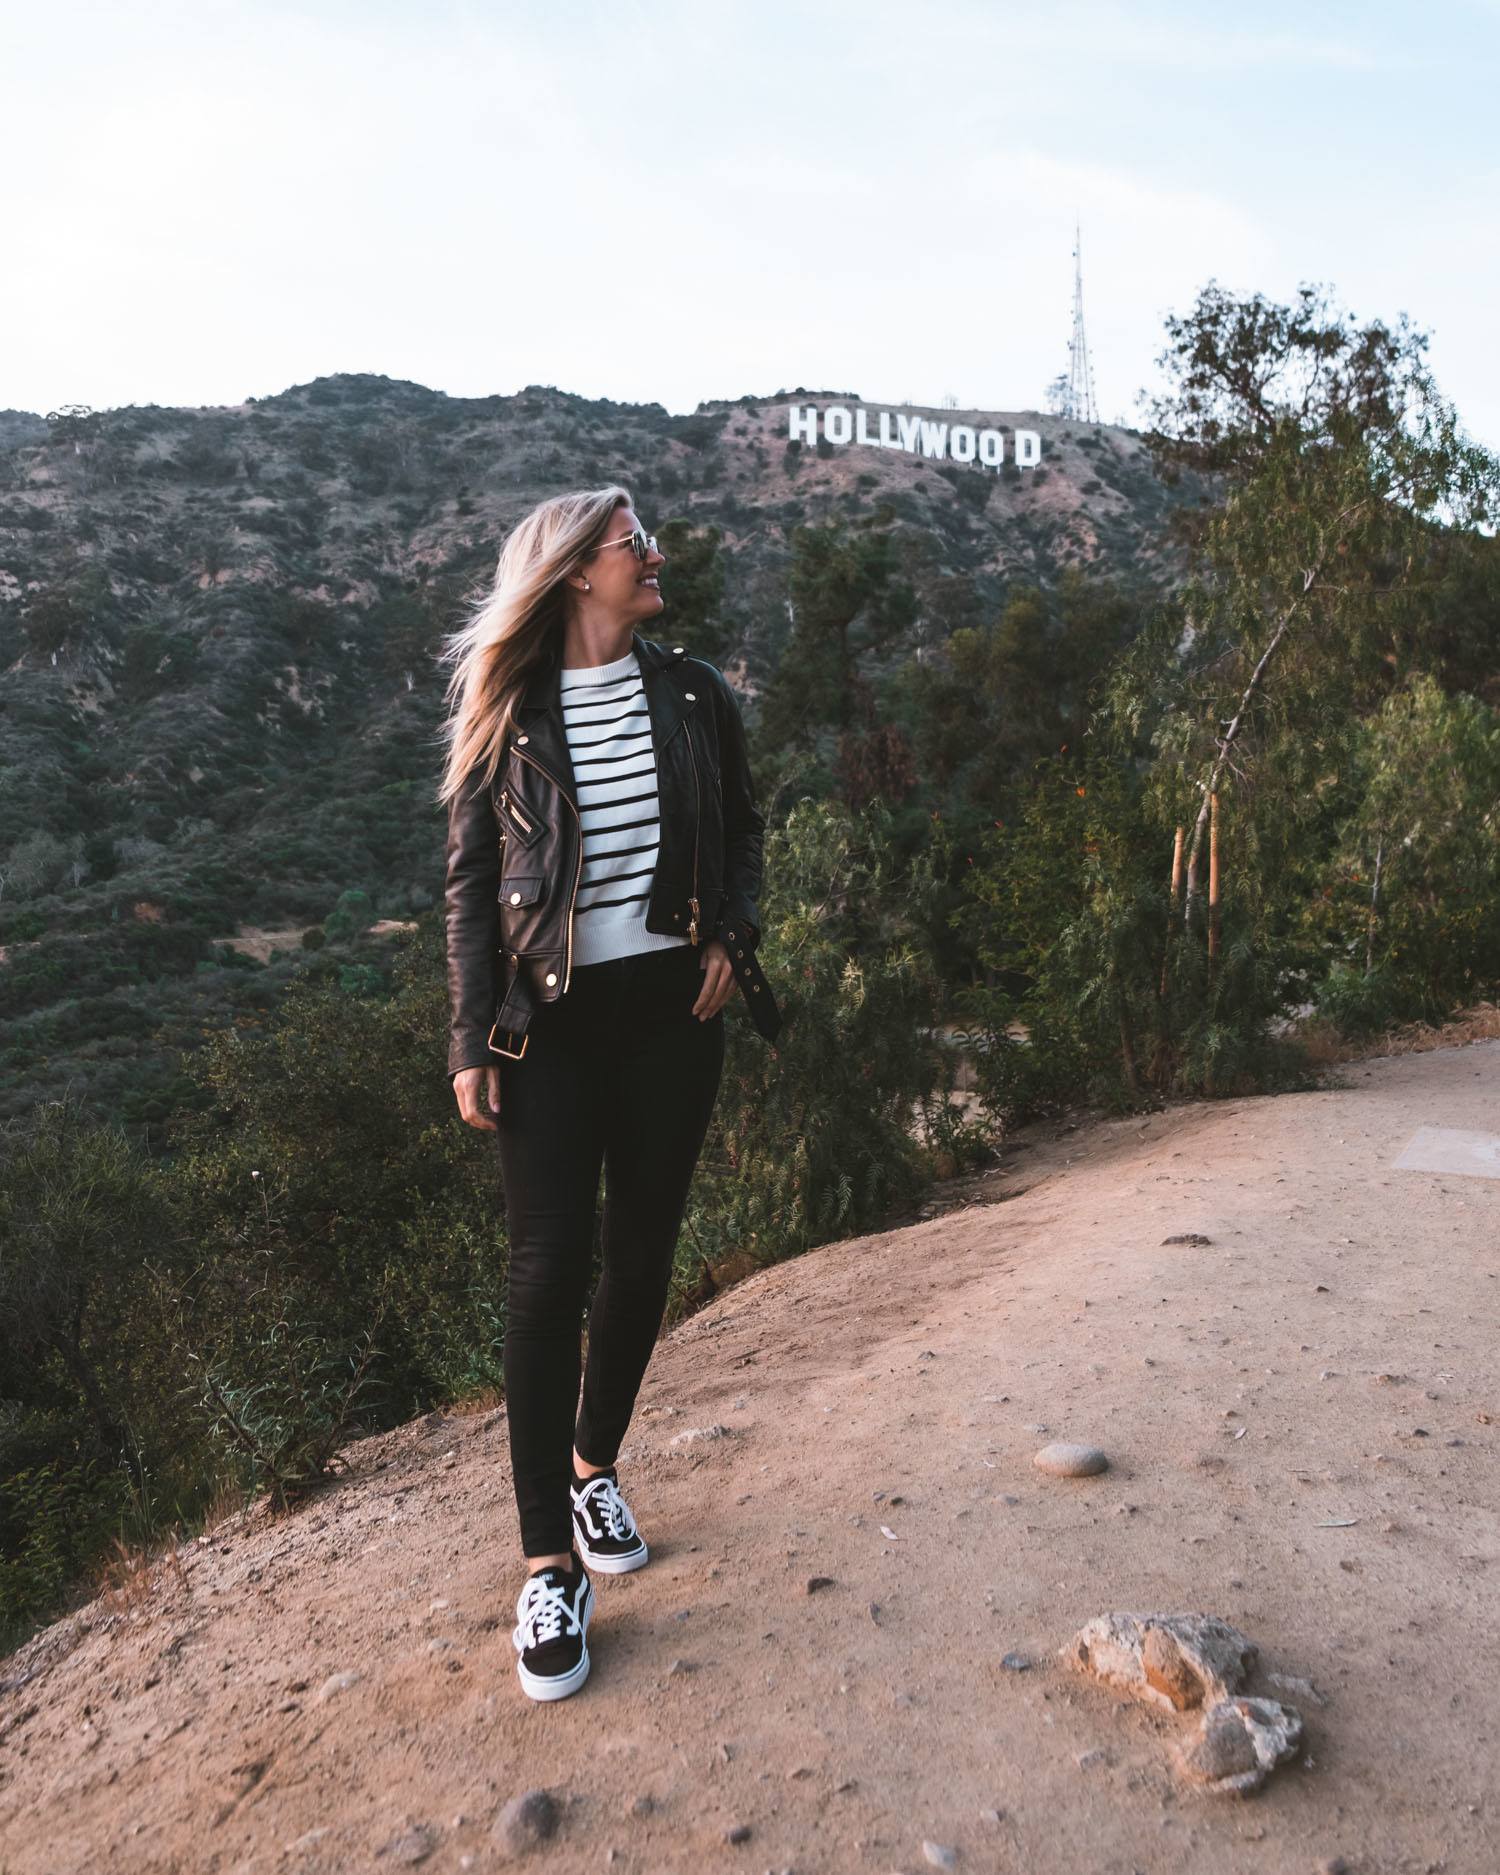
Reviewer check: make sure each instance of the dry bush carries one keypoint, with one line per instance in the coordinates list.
(1324, 1045)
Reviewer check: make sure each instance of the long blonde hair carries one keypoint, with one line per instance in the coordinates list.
(492, 654)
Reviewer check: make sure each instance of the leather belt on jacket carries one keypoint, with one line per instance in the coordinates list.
(753, 985)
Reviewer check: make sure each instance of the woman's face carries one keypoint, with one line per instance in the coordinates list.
(620, 584)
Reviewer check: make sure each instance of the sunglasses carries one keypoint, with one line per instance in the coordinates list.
(639, 542)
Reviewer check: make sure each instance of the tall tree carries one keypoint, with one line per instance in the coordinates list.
(1348, 489)
(847, 597)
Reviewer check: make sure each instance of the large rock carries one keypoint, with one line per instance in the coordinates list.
(1180, 1662)
(1238, 1743)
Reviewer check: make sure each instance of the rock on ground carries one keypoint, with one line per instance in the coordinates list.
(525, 1822)
(1179, 1662)
(1064, 1460)
(1238, 1743)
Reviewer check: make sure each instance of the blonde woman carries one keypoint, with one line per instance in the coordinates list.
(603, 866)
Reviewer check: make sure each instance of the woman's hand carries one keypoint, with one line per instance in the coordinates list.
(468, 1084)
(718, 980)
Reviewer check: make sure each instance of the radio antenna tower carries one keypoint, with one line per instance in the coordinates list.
(1079, 400)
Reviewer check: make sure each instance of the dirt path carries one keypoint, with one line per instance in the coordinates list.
(1343, 1317)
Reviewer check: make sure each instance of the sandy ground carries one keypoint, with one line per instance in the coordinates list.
(258, 941)
(1342, 1318)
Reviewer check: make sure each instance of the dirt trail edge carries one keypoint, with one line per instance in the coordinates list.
(1300, 1416)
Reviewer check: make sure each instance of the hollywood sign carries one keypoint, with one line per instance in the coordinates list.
(918, 436)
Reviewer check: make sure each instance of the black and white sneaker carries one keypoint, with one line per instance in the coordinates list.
(604, 1531)
(551, 1631)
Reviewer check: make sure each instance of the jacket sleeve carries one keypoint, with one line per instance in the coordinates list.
(472, 900)
(744, 824)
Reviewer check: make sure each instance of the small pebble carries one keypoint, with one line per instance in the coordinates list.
(338, 1683)
(526, 1821)
(1061, 1460)
(693, 1433)
(1017, 1663)
(411, 1846)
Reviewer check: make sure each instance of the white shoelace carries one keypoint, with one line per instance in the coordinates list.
(618, 1521)
(542, 1612)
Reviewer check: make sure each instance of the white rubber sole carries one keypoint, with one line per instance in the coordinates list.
(558, 1685)
(610, 1565)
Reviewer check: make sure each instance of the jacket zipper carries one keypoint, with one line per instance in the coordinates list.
(541, 768)
(507, 802)
(697, 835)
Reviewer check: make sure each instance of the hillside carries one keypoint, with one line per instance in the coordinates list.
(217, 633)
(1285, 1344)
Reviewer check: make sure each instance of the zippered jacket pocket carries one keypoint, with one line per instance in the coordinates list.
(520, 821)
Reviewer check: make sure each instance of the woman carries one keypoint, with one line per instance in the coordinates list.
(603, 866)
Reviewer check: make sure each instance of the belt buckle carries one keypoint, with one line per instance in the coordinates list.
(509, 1054)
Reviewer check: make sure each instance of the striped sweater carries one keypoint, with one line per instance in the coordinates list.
(608, 727)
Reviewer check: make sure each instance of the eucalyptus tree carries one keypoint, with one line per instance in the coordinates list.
(1348, 492)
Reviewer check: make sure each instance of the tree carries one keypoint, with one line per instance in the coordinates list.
(848, 598)
(693, 583)
(1418, 871)
(78, 1214)
(1342, 467)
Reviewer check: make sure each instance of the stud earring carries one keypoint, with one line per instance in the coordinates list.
(587, 587)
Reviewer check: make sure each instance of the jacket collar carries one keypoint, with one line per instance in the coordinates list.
(540, 709)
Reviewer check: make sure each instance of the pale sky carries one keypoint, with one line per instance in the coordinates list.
(672, 200)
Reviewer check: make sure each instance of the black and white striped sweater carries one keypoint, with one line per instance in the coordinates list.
(608, 728)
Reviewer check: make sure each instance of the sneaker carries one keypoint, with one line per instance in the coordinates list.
(604, 1531)
(551, 1631)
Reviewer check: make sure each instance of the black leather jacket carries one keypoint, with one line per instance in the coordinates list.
(515, 852)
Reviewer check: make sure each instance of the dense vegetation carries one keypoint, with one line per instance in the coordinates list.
(1118, 832)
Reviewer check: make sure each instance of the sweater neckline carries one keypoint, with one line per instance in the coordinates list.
(598, 673)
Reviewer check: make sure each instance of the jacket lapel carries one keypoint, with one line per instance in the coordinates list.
(665, 697)
(541, 719)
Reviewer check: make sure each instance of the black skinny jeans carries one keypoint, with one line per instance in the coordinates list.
(617, 1072)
